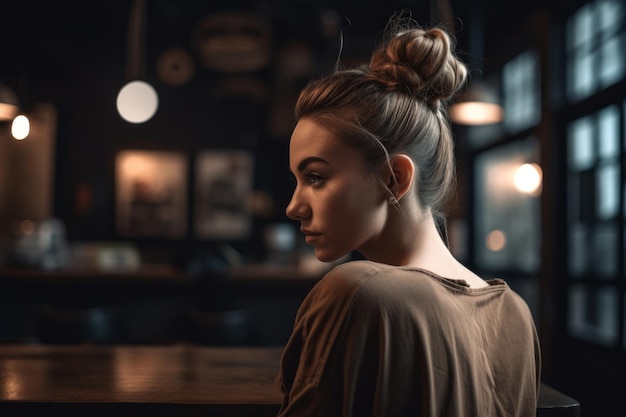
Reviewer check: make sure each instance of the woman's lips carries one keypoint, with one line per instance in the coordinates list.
(310, 236)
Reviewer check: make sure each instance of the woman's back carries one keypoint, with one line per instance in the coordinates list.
(379, 340)
(372, 155)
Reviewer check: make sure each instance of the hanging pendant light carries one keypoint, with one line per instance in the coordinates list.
(137, 101)
(9, 104)
(10, 111)
(476, 106)
(20, 127)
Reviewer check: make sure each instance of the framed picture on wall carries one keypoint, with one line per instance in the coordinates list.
(223, 186)
(151, 194)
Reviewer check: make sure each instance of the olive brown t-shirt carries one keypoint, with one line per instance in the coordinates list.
(379, 340)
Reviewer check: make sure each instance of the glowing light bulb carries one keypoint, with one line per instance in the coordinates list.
(496, 240)
(528, 178)
(20, 127)
(137, 102)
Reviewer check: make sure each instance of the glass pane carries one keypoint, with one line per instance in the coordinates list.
(593, 314)
(532, 102)
(580, 139)
(595, 42)
(610, 15)
(605, 250)
(608, 143)
(500, 242)
(520, 83)
(582, 79)
(612, 58)
(583, 76)
(608, 184)
(581, 27)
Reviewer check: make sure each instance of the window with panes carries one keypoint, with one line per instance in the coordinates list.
(595, 42)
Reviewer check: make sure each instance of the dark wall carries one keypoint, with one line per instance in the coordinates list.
(189, 119)
(80, 65)
(78, 59)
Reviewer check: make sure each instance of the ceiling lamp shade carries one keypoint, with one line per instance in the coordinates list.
(476, 106)
(9, 105)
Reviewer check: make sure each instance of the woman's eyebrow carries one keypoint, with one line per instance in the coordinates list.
(306, 161)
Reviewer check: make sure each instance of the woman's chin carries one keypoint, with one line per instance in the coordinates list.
(328, 257)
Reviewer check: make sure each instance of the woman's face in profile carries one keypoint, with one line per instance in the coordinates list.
(340, 205)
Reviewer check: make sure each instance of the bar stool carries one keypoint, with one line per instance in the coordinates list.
(554, 403)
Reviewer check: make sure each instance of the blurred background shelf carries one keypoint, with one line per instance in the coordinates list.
(250, 305)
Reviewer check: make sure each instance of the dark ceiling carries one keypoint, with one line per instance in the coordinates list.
(46, 41)
(60, 36)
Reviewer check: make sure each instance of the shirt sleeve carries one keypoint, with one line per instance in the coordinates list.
(306, 356)
(337, 361)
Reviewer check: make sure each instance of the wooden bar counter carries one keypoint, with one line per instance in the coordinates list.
(103, 380)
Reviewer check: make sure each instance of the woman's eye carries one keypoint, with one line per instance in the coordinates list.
(313, 179)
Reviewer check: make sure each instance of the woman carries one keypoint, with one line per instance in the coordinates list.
(409, 331)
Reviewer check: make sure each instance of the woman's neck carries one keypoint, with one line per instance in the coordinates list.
(414, 240)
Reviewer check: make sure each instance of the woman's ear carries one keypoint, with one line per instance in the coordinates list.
(403, 170)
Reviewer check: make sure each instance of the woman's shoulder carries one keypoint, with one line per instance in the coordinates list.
(347, 277)
(363, 276)
(343, 287)
(357, 267)
(362, 271)
(353, 273)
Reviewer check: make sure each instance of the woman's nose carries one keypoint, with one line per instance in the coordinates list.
(296, 209)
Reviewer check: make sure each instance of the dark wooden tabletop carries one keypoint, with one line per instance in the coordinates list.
(159, 380)
(125, 380)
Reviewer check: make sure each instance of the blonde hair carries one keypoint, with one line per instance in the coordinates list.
(396, 104)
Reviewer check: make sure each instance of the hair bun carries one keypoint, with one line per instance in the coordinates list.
(421, 61)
